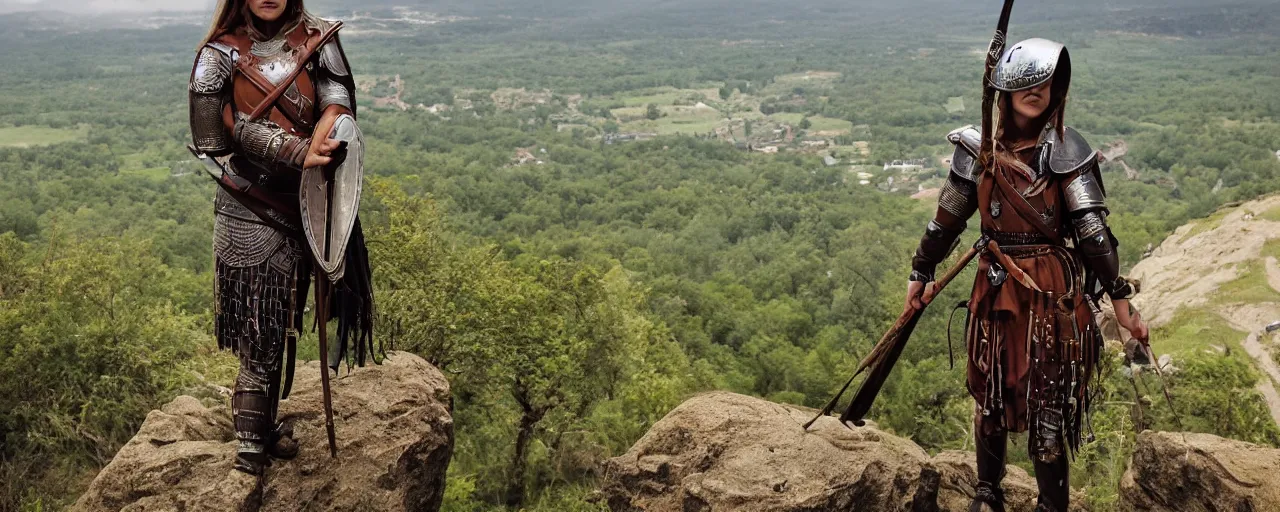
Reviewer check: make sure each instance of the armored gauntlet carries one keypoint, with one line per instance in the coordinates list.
(270, 144)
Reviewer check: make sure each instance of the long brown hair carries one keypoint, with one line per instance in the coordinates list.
(231, 15)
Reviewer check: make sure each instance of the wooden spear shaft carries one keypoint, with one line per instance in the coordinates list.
(901, 330)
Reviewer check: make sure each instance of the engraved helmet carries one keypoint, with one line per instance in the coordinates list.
(1031, 63)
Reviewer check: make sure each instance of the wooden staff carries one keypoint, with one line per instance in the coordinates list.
(885, 353)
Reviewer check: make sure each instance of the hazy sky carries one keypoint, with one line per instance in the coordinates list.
(106, 5)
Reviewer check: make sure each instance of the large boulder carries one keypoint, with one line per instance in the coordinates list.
(724, 451)
(1173, 471)
(394, 433)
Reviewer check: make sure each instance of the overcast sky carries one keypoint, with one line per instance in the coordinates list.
(106, 5)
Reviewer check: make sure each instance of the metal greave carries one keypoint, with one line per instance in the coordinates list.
(988, 495)
(255, 314)
(1054, 484)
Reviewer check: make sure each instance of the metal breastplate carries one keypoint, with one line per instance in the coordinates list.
(276, 61)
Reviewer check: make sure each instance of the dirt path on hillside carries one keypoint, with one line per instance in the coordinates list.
(1253, 319)
(1266, 385)
(1273, 273)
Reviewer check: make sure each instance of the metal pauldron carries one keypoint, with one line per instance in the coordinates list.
(963, 162)
(332, 59)
(1069, 154)
(207, 96)
(1085, 193)
(212, 70)
(331, 92)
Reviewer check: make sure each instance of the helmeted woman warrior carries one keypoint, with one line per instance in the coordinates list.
(1032, 339)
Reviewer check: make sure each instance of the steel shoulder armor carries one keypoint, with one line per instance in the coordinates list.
(333, 78)
(956, 204)
(964, 162)
(209, 92)
(1085, 199)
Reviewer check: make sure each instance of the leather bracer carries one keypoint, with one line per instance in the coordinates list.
(271, 145)
(1099, 248)
(956, 203)
(935, 245)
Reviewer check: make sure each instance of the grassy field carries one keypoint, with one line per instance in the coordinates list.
(670, 126)
(1251, 287)
(1271, 248)
(662, 96)
(1272, 215)
(1207, 224)
(955, 105)
(138, 165)
(151, 173)
(1193, 330)
(675, 120)
(827, 124)
(27, 136)
(818, 123)
(784, 84)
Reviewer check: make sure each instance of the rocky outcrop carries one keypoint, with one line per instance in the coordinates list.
(1200, 472)
(394, 432)
(1198, 258)
(723, 451)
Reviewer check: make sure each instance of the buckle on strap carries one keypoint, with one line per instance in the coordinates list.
(1018, 274)
(996, 274)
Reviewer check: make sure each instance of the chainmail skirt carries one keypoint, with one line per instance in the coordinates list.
(259, 295)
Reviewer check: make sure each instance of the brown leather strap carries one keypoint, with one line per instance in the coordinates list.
(1024, 209)
(310, 49)
(248, 66)
(1012, 267)
(262, 84)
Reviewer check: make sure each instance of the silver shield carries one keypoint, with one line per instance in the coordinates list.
(329, 206)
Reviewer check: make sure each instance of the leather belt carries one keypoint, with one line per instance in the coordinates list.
(1006, 239)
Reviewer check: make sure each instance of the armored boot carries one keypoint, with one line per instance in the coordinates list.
(251, 412)
(987, 495)
(280, 442)
(1055, 486)
(282, 445)
(253, 408)
(256, 451)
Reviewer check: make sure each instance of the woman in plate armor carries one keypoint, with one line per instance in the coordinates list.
(263, 265)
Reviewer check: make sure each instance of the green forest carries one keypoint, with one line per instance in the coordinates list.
(564, 216)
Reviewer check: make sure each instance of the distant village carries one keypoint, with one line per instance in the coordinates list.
(736, 121)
